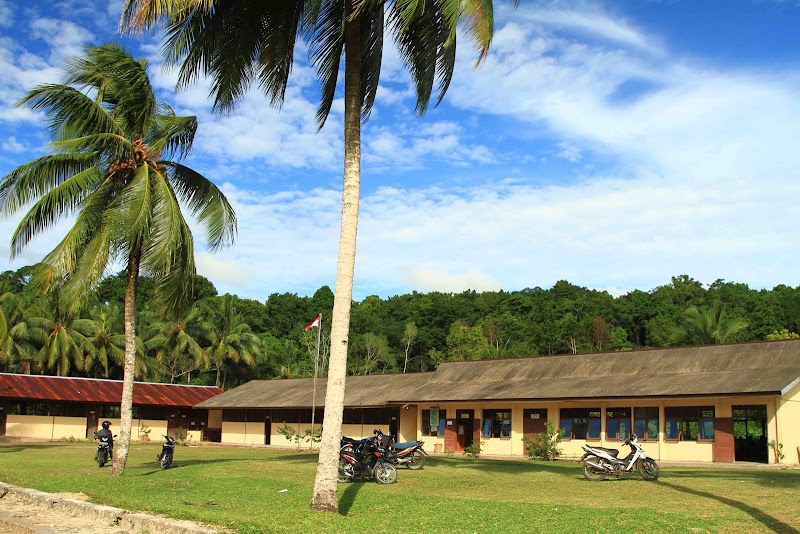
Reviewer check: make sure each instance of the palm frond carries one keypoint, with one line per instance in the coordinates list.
(70, 112)
(206, 202)
(60, 201)
(326, 46)
(31, 180)
(172, 135)
(169, 251)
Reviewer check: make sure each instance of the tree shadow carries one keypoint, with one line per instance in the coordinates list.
(511, 467)
(766, 477)
(772, 523)
(348, 497)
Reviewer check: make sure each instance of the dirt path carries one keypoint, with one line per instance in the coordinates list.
(21, 517)
(26, 511)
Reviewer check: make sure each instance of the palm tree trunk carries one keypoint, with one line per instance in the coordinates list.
(325, 496)
(126, 404)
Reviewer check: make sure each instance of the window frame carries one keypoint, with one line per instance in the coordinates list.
(683, 417)
(576, 418)
(426, 423)
(618, 414)
(648, 418)
(497, 425)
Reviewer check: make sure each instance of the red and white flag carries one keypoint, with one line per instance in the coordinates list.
(309, 326)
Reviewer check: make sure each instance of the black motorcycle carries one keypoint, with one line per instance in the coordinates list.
(364, 460)
(103, 453)
(167, 452)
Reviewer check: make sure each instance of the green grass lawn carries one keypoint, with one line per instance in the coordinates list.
(240, 488)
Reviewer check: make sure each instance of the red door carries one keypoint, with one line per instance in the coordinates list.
(724, 449)
(450, 436)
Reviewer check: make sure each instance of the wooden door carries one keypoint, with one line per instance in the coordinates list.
(267, 430)
(450, 435)
(723, 448)
(534, 421)
(91, 424)
(2, 422)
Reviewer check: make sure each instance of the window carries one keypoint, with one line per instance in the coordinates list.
(581, 423)
(689, 423)
(433, 426)
(30, 408)
(618, 423)
(496, 423)
(234, 416)
(645, 423)
(109, 411)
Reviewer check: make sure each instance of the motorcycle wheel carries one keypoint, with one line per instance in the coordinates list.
(166, 460)
(648, 468)
(417, 460)
(593, 473)
(101, 458)
(346, 473)
(385, 473)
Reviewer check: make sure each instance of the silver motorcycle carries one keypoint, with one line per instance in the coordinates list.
(599, 462)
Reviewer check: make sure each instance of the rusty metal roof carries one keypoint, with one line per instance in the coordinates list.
(58, 388)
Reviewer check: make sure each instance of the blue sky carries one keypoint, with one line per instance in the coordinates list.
(610, 144)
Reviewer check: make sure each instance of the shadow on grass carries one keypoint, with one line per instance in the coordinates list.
(511, 467)
(348, 496)
(773, 523)
(765, 477)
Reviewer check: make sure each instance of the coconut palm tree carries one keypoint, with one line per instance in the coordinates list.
(112, 142)
(178, 344)
(238, 42)
(230, 338)
(53, 329)
(15, 349)
(708, 325)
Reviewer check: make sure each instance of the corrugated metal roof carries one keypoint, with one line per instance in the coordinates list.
(57, 388)
(741, 368)
(361, 391)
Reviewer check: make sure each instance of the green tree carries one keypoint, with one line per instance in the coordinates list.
(466, 342)
(410, 334)
(16, 348)
(371, 354)
(709, 325)
(178, 344)
(240, 42)
(231, 339)
(112, 141)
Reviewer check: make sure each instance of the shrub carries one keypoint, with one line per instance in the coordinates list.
(544, 445)
(473, 450)
(777, 448)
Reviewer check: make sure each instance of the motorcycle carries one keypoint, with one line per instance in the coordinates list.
(364, 460)
(599, 462)
(408, 453)
(103, 453)
(167, 452)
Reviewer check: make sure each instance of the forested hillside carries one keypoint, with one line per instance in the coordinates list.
(228, 341)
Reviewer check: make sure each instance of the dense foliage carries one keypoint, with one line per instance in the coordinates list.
(229, 341)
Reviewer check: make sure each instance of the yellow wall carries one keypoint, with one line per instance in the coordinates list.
(214, 418)
(30, 426)
(409, 424)
(158, 429)
(69, 427)
(788, 423)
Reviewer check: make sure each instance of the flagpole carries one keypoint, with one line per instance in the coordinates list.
(316, 368)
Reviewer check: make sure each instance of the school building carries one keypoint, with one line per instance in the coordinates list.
(716, 403)
(54, 407)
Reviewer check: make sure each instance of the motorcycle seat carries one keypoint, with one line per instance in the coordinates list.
(610, 452)
(404, 445)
